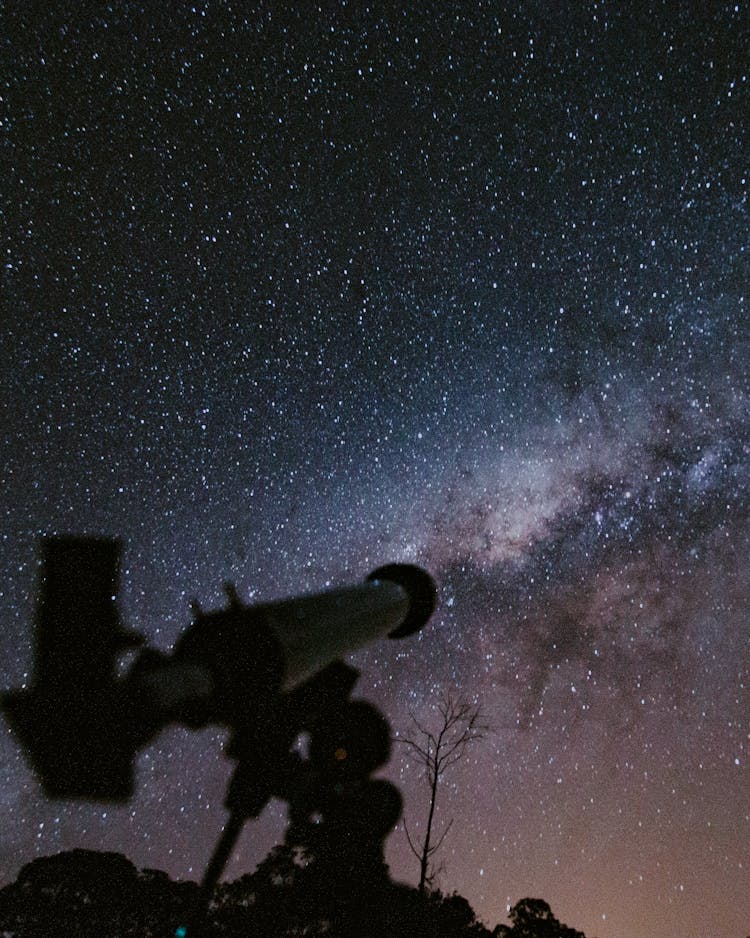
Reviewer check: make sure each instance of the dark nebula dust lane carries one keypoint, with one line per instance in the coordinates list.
(289, 292)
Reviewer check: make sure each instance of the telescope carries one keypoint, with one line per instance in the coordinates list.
(81, 724)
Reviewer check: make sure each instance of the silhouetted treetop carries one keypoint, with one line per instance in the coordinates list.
(533, 918)
(292, 893)
(86, 893)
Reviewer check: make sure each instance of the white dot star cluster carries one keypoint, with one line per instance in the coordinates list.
(291, 292)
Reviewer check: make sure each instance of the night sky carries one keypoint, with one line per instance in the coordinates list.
(292, 291)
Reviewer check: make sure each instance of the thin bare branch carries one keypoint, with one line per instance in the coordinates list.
(422, 730)
(422, 753)
(442, 837)
(414, 850)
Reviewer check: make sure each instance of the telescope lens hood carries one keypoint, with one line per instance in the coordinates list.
(419, 587)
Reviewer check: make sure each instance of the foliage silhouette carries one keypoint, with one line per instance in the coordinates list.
(84, 893)
(291, 894)
(533, 918)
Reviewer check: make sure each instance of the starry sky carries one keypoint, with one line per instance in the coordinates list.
(290, 291)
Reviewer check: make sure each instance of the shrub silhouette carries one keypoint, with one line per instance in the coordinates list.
(293, 892)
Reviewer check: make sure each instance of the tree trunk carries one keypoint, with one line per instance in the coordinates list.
(426, 847)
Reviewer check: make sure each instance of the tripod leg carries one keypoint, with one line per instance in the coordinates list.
(222, 852)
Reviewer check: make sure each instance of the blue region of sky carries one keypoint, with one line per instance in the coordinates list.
(291, 291)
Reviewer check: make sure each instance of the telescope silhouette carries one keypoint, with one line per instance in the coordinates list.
(81, 725)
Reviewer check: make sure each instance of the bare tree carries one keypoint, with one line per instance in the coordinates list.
(436, 752)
